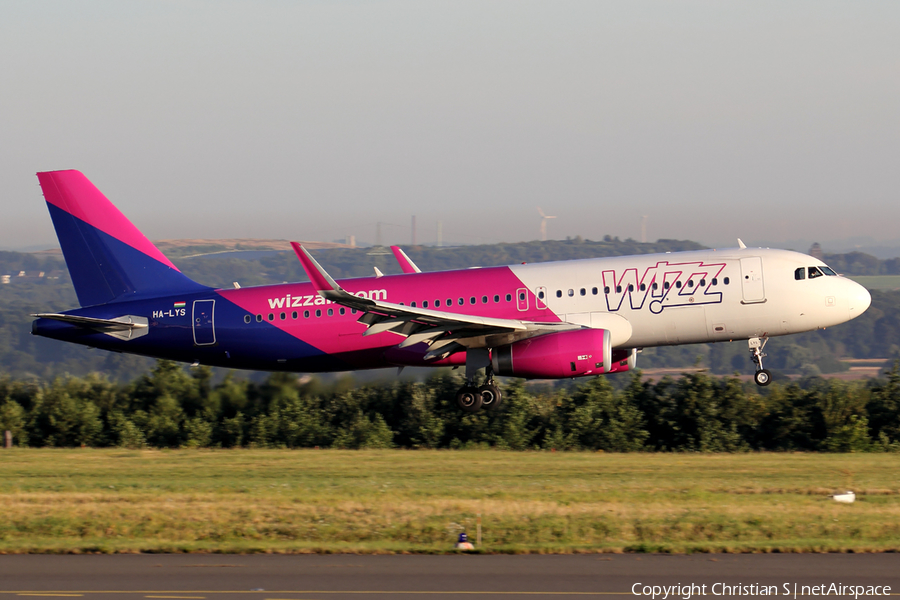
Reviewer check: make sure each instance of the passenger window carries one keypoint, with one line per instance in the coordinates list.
(630, 287)
(305, 314)
(571, 292)
(594, 291)
(247, 318)
(497, 297)
(522, 296)
(541, 294)
(450, 302)
(437, 303)
(509, 297)
(583, 291)
(702, 283)
(800, 274)
(413, 304)
(606, 289)
(726, 281)
(271, 317)
(678, 284)
(294, 314)
(424, 303)
(472, 300)
(461, 301)
(343, 311)
(258, 318)
(559, 293)
(643, 287)
(283, 316)
(655, 286)
(690, 283)
(666, 285)
(814, 272)
(618, 289)
(330, 312)
(318, 312)
(352, 311)
(484, 299)
(715, 281)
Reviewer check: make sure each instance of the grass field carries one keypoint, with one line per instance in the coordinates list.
(418, 501)
(878, 282)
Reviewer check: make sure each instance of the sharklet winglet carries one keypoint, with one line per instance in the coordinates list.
(406, 263)
(324, 284)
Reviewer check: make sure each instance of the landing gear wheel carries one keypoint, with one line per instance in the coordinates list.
(490, 396)
(469, 399)
(762, 377)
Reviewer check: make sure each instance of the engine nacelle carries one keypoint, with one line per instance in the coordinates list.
(556, 355)
(623, 360)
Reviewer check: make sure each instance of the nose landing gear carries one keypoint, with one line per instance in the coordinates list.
(762, 377)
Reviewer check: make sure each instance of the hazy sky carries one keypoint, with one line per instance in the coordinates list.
(771, 121)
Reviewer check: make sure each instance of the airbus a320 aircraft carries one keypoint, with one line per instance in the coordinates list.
(548, 320)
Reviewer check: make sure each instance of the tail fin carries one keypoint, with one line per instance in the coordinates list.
(108, 258)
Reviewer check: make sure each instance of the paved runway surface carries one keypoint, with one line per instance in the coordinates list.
(342, 577)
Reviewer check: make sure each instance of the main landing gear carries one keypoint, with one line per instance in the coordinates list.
(472, 398)
(762, 377)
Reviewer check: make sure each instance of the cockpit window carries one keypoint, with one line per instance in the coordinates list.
(828, 271)
(800, 273)
(814, 272)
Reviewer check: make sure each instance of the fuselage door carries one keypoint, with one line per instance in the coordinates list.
(752, 280)
(540, 297)
(203, 320)
(522, 299)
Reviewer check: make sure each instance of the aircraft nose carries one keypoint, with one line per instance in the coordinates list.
(860, 299)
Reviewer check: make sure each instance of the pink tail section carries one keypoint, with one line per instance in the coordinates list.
(72, 192)
(108, 258)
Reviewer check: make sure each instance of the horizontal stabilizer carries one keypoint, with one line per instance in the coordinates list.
(126, 327)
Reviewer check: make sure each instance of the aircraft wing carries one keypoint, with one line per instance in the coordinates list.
(444, 332)
(406, 263)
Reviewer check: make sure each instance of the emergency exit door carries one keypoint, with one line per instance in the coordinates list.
(752, 280)
(204, 322)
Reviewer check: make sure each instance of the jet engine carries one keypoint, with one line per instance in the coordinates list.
(556, 355)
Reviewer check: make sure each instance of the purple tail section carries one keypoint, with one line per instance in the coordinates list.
(108, 258)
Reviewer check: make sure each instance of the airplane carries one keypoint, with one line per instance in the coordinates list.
(551, 320)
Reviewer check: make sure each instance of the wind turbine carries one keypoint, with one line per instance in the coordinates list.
(544, 224)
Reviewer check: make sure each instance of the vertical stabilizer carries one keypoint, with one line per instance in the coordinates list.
(108, 258)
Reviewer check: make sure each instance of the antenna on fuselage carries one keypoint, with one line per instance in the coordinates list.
(741, 244)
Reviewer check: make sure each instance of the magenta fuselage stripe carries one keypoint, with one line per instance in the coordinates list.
(72, 192)
(342, 333)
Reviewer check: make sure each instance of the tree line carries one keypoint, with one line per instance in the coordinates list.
(173, 407)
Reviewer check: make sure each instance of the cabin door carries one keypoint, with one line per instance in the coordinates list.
(203, 319)
(752, 280)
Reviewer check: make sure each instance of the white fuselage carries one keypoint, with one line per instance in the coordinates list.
(694, 297)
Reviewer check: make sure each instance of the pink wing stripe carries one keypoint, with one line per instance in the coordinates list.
(72, 192)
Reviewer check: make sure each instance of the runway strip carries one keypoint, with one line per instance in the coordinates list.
(339, 577)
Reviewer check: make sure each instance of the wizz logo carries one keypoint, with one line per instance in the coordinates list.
(676, 284)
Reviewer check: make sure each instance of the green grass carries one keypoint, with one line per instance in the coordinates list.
(418, 501)
(878, 282)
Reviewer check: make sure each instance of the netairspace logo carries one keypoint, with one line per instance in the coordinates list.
(686, 591)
